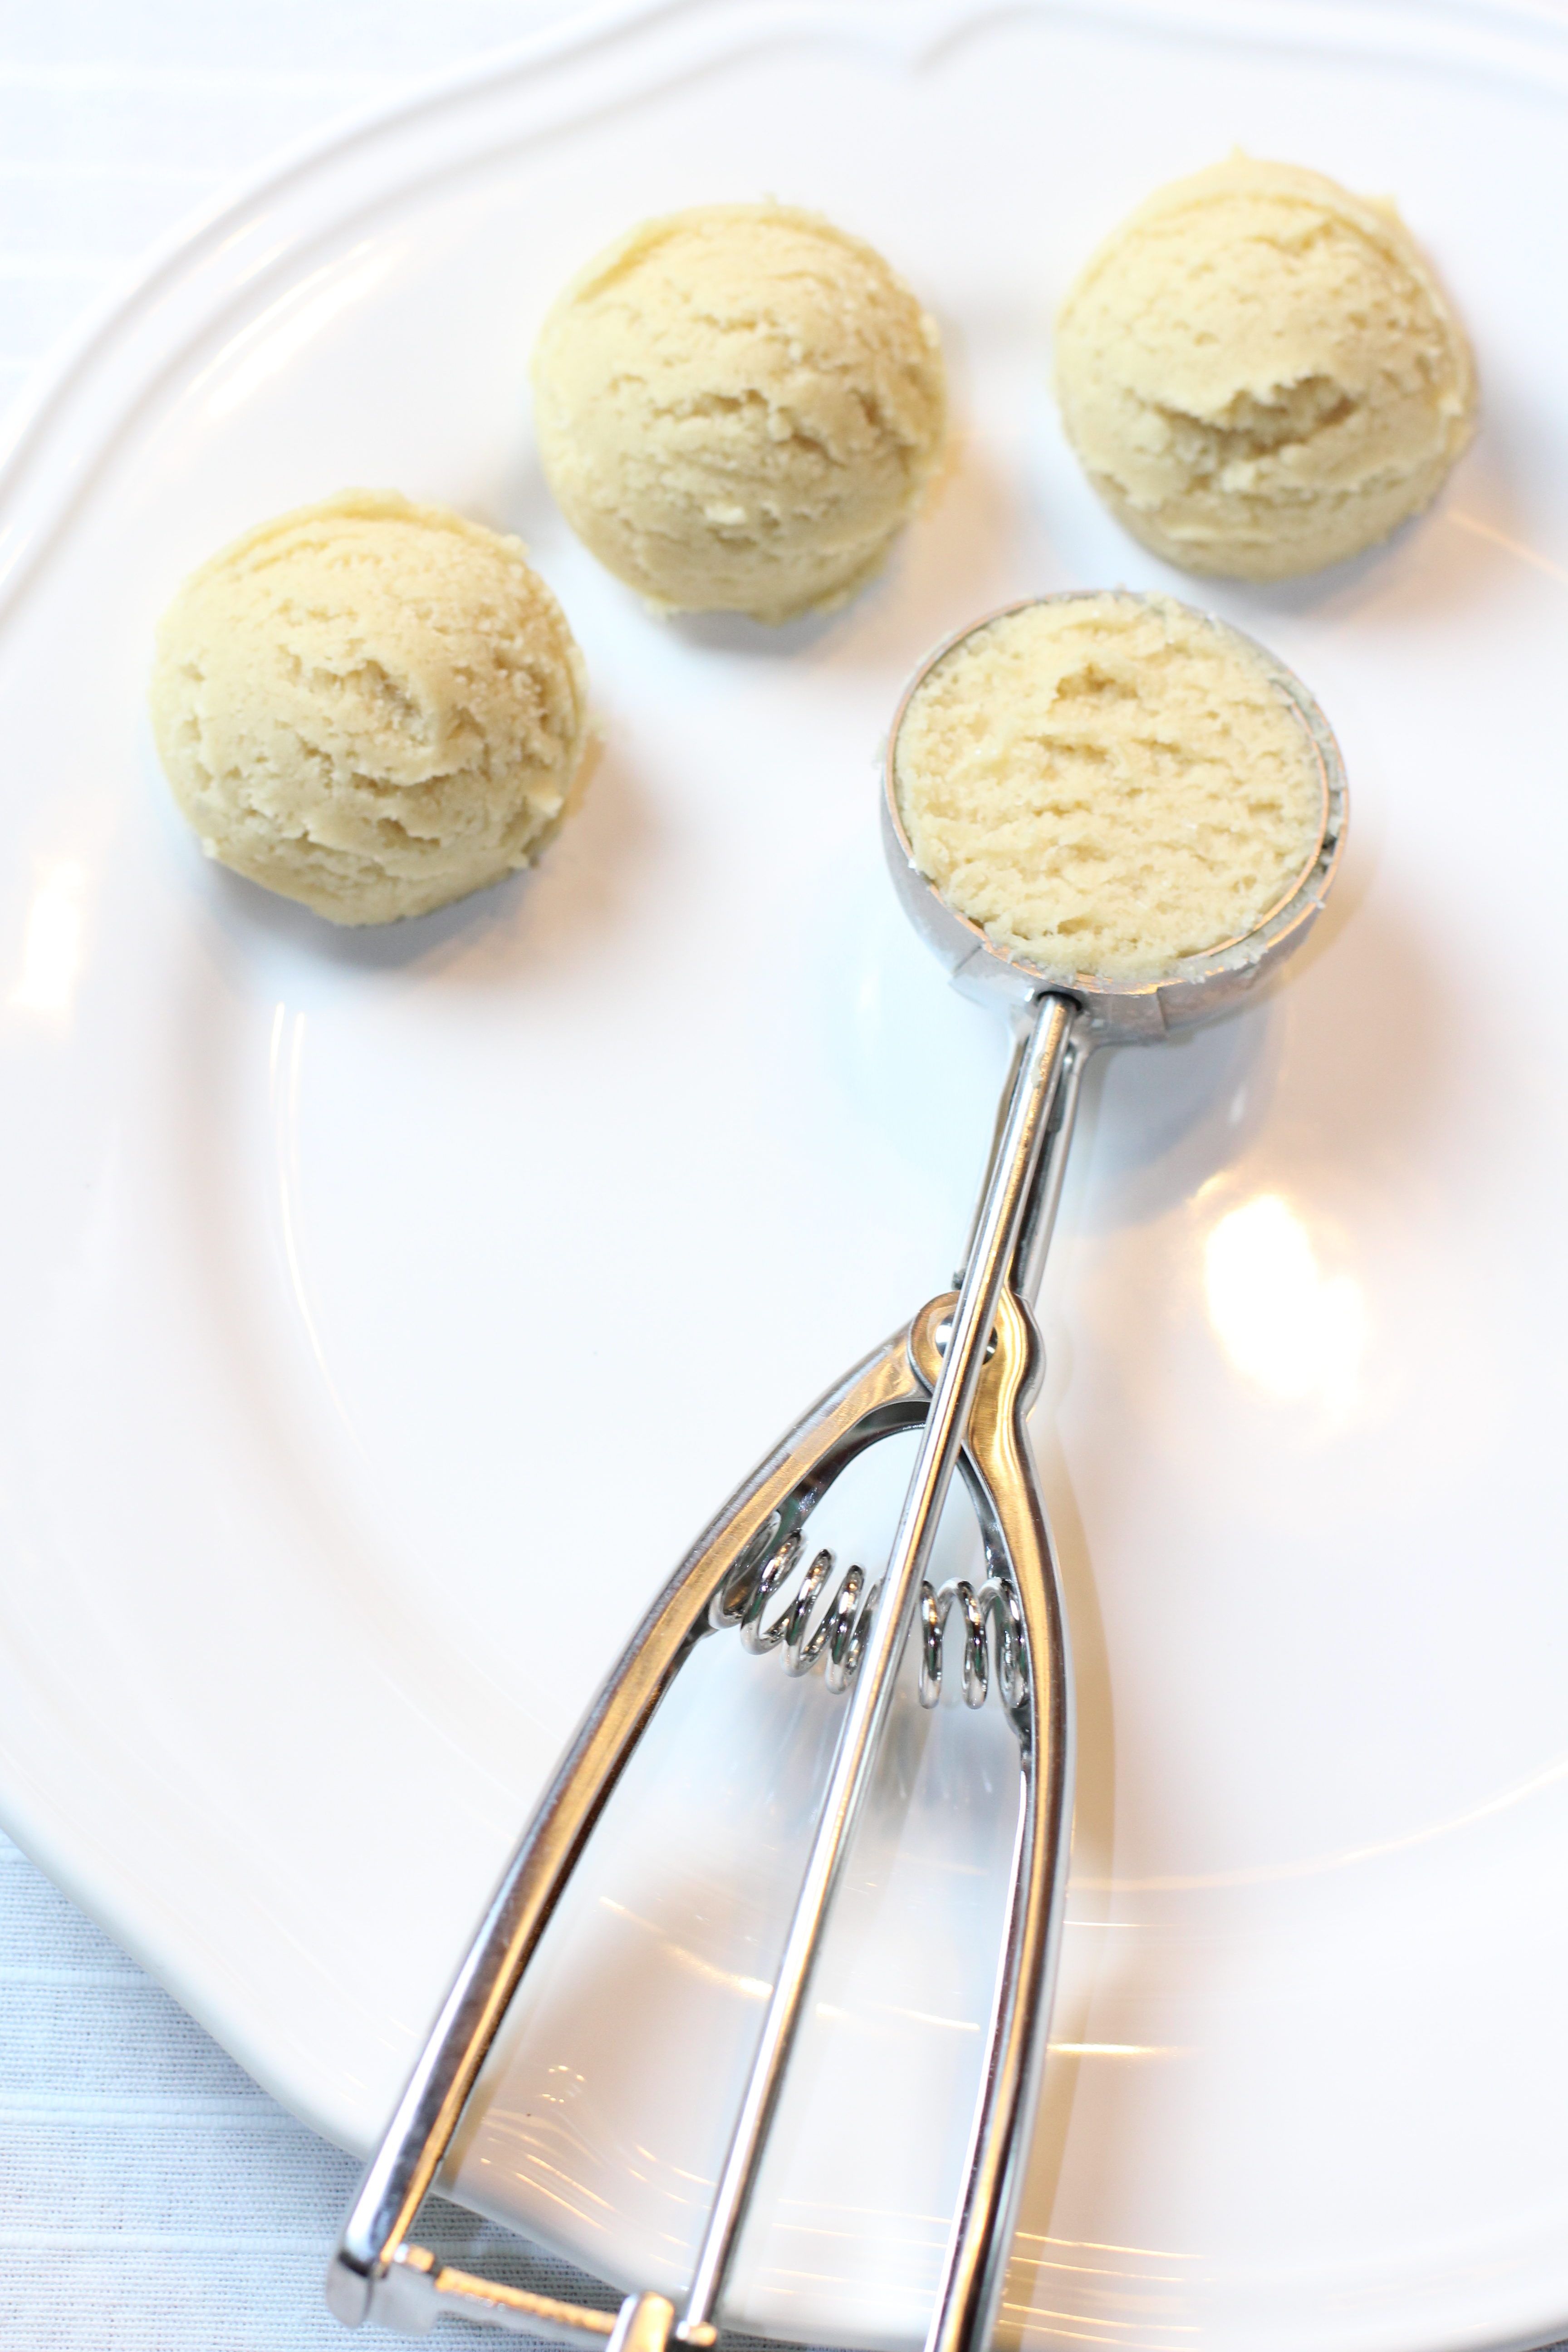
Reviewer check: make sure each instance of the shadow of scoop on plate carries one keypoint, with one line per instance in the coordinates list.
(963, 1372)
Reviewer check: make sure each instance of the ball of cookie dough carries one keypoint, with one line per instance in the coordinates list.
(1107, 783)
(1260, 372)
(370, 706)
(739, 408)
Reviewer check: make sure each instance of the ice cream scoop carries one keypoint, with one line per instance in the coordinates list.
(1261, 373)
(739, 407)
(963, 1372)
(370, 706)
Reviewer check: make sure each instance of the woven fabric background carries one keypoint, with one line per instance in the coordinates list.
(152, 2198)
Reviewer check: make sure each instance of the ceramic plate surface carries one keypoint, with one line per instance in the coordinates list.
(384, 1313)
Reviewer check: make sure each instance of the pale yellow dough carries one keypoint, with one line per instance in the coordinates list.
(1108, 783)
(739, 407)
(1260, 372)
(370, 706)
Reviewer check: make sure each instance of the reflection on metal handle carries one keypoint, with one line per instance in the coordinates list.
(1039, 1218)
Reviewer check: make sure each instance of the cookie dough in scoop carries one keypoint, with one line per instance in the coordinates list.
(1108, 783)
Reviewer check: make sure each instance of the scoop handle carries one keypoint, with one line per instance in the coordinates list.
(1010, 1191)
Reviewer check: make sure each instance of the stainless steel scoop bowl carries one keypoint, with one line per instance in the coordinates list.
(962, 1371)
(1121, 1013)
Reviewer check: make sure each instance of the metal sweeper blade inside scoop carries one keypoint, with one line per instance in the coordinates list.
(963, 1372)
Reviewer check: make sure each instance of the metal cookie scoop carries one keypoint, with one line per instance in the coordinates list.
(962, 1371)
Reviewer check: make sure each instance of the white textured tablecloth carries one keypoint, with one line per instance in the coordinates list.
(152, 2198)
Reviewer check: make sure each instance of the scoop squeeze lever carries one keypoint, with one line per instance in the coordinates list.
(963, 1372)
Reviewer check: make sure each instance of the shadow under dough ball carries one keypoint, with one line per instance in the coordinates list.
(370, 706)
(1260, 372)
(739, 408)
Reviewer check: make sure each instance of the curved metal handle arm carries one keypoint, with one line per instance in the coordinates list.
(880, 1394)
(1000, 1472)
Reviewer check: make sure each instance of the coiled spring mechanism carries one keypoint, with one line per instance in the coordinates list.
(837, 1639)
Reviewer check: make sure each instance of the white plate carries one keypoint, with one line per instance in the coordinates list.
(384, 1314)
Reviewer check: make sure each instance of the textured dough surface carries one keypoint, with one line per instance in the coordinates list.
(739, 407)
(1260, 374)
(369, 706)
(1107, 783)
